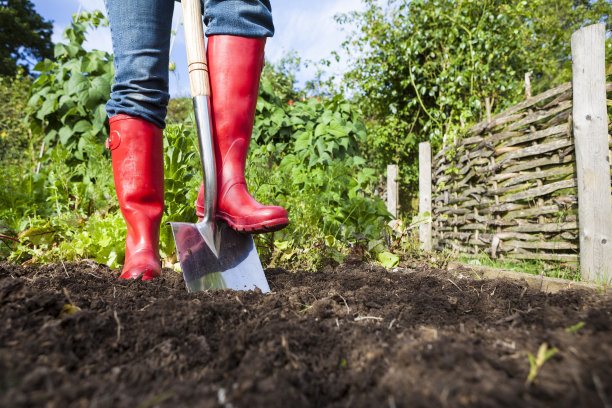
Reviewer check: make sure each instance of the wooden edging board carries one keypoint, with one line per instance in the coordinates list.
(549, 285)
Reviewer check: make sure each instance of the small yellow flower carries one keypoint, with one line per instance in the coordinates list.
(3, 134)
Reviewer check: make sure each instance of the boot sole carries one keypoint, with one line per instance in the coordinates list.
(141, 273)
(262, 228)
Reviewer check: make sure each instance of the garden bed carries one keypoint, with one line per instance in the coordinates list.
(356, 335)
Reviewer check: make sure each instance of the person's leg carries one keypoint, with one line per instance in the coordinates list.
(237, 31)
(140, 31)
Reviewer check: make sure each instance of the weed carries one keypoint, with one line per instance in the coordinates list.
(304, 308)
(536, 363)
(575, 327)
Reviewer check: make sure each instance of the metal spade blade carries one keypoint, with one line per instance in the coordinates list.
(237, 267)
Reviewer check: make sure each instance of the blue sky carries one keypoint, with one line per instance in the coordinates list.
(306, 26)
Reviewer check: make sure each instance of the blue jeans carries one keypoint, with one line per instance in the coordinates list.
(140, 30)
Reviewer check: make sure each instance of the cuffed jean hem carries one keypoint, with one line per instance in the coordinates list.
(242, 18)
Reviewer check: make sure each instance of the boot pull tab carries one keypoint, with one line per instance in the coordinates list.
(113, 141)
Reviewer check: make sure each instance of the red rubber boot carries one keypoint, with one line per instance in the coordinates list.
(235, 65)
(138, 169)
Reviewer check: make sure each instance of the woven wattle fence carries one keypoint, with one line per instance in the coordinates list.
(508, 189)
(534, 181)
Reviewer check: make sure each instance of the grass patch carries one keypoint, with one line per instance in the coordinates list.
(531, 266)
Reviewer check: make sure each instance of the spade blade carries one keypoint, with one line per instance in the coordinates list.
(237, 265)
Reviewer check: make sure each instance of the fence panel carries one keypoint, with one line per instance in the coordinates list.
(508, 188)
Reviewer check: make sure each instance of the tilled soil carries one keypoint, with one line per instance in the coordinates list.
(351, 336)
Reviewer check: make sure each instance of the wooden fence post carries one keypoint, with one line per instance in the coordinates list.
(425, 193)
(527, 85)
(590, 121)
(392, 189)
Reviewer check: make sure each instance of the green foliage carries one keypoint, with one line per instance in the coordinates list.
(66, 237)
(179, 110)
(102, 238)
(388, 259)
(423, 68)
(576, 327)
(568, 271)
(279, 79)
(49, 205)
(20, 192)
(182, 179)
(536, 363)
(552, 24)
(16, 144)
(24, 35)
(67, 99)
(65, 110)
(59, 212)
(305, 156)
(54, 223)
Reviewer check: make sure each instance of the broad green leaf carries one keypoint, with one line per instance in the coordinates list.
(76, 83)
(81, 126)
(65, 134)
(388, 260)
(99, 117)
(303, 141)
(320, 130)
(336, 129)
(47, 107)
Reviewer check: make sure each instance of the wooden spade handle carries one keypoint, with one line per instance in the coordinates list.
(196, 52)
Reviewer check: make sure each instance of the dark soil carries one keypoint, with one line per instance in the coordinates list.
(353, 336)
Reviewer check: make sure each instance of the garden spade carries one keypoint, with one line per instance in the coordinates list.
(212, 255)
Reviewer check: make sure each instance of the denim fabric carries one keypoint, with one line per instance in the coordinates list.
(244, 18)
(140, 31)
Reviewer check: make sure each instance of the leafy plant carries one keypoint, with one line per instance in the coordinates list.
(305, 156)
(182, 178)
(101, 238)
(67, 99)
(17, 144)
(388, 260)
(575, 328)
(536, 363)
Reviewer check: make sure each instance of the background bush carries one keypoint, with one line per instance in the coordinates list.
(422, 69)
(16, 144)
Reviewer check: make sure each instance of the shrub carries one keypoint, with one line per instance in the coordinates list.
(15, 141)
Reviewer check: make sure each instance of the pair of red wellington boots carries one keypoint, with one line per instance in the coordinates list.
(235, 65)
